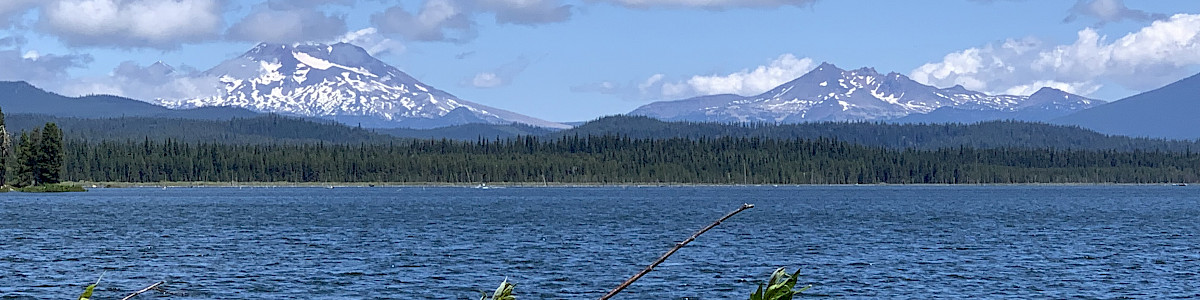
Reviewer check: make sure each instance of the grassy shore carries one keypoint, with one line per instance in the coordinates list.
(89, 184)
(364, 184)
(48, 188)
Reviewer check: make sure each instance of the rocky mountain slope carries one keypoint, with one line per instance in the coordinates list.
(829, 93)
(341, 82)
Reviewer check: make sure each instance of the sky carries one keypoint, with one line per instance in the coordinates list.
(577, 60)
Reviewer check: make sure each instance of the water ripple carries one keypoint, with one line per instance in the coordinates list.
(926, 242)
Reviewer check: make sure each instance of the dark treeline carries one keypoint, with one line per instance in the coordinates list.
(614, 160)
(274, 129)
(990, 134)
(264, 129)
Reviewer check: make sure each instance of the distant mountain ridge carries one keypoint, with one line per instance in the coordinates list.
(260, 129)
(342, 82)
(1172, 111)
(19, 97)
(829, 93)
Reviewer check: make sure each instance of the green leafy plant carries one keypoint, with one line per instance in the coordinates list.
(504, 292)
(87, 292)
(780, 287)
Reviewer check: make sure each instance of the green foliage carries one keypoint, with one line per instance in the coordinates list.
(6, 152)
(40, 156)
(991, 134)
(50, 155)
(614, 160)
(87, 292)
(52, 188)
(780, 287)
(27, 158)
(469, 132)
(504, 292)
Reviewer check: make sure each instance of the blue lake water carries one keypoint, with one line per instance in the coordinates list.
(898, 242)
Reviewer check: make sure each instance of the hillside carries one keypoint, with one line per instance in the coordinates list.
(263, 129)
(992, 134)
(18, 97)
(1172, 111)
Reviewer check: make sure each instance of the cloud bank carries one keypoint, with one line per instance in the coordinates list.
(501, 76)
(152, 82)
(1153, 56)
(1106, 11)
(745, 82)
(132, 23)
(707, 4)
(455, 20)
(287, 24)
(39, 68)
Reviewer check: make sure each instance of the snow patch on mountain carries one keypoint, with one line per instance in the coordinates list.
(341, 82)
(829, 93)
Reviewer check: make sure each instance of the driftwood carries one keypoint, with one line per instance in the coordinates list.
(672, 251)
(147, 289)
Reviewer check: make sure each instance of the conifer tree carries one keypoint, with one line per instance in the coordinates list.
(5, 151)
(27, 157)
(50, 155)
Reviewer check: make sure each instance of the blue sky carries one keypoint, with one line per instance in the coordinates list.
(571, 60)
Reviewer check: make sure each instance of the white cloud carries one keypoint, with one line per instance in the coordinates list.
(645, 86)
(13, 41)
(603, 87)
(676, 90)
(438, 20)
(751, 82)
(1155, 55)
(708, 4)
(38, 68)
(454, 20)
(486, 80)
(294, 4)
(375, 43)
(1106, 11)
(154, 82)
(11, 9)
(287, 26)
(746, 82)
(502, 75)
(956, 67)
(132, 23)
(526, 12)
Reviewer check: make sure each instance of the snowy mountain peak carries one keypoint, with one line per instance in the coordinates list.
(341, 82)
(829, 93)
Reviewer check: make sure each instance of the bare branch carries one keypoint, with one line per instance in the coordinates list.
(147, 289)
(668, 254)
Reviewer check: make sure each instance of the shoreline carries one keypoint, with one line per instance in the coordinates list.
(101, 185)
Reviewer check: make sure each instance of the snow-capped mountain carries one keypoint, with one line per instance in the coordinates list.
(344, 83)
(831, 94)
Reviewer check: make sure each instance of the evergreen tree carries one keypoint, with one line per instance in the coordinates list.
(27, 157)
(5, 151)
(50, 155)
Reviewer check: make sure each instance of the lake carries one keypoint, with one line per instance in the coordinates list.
(897, 242)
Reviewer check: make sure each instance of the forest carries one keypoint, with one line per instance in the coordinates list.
(632, 150)
(614, 160)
